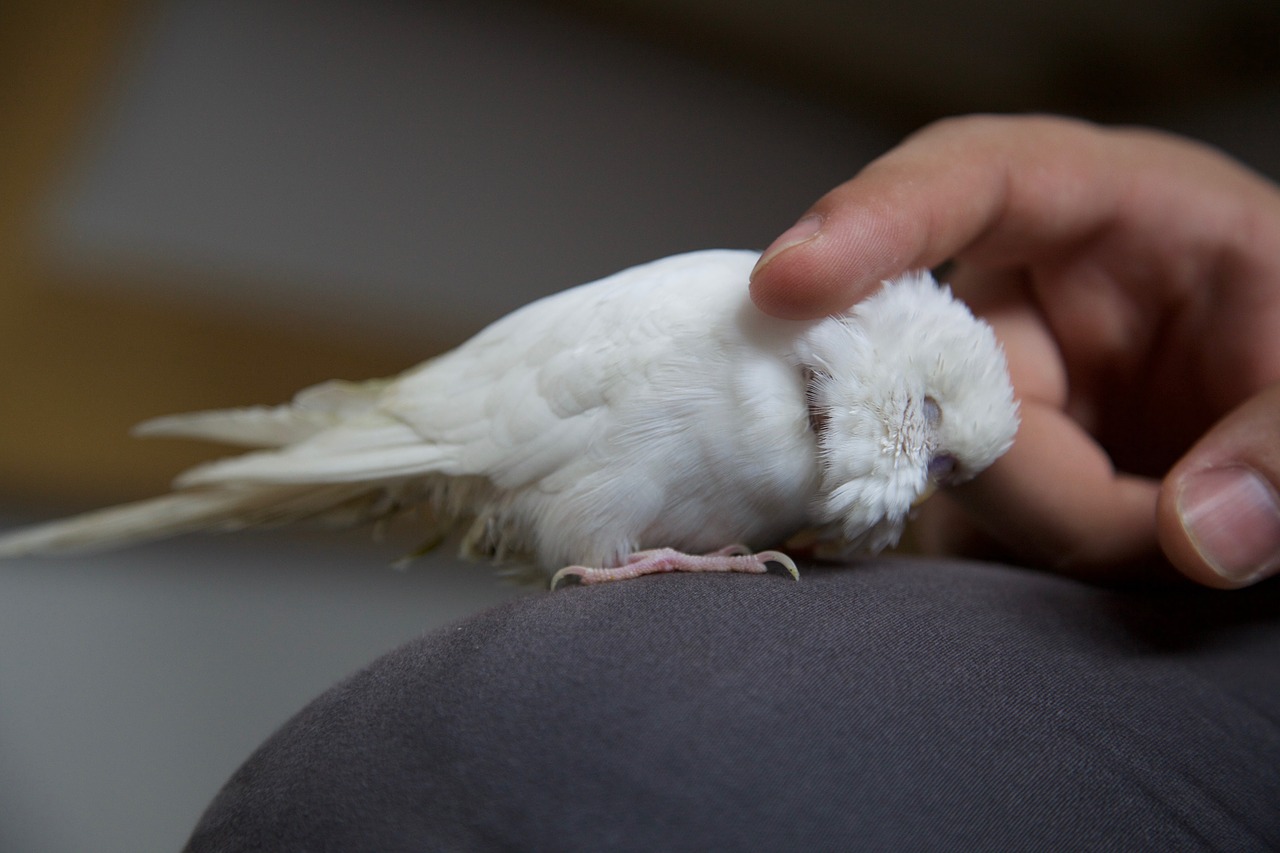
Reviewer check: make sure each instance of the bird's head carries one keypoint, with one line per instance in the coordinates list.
(907, 391)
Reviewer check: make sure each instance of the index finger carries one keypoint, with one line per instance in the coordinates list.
(995, 189)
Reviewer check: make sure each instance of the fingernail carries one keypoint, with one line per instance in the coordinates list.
(802, 232)
(1232, 516)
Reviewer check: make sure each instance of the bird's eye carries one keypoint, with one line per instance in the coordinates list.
(932, 412)
(942, 467)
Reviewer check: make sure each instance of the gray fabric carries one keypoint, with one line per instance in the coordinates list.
(889, 705)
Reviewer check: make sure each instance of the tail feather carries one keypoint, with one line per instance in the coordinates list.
(258, 426)
(312, 411)
(338, 461)
(180, 512)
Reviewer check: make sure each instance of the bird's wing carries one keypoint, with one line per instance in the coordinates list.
(312, 411)
(538, 388)
(524, 397)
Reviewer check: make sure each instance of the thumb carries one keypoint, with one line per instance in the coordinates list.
(1218, 515)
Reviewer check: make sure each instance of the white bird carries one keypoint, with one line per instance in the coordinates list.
(627, 426)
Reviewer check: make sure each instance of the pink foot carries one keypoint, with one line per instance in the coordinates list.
(734, 558)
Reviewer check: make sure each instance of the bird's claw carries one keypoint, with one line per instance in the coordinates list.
(782, 560)
(567, 572)
(733, 558)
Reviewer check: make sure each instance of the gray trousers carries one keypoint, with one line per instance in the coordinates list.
(888, 705)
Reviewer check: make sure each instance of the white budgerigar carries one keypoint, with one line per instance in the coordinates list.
(651, 421)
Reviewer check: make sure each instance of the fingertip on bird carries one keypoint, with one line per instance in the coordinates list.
(807, 228)
(807, 280)
(831, 259)
(781, 281)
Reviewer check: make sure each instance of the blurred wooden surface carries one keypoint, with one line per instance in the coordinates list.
(80, 365)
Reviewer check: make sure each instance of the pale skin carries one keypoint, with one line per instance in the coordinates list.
(1134, 280)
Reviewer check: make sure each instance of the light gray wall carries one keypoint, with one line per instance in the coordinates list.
(394, 166)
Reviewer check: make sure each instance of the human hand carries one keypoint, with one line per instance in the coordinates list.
(1134, 280)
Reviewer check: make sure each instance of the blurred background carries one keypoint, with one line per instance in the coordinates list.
(209, 203)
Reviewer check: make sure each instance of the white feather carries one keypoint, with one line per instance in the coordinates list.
(313, 410)
(172, 514)
(654, 408)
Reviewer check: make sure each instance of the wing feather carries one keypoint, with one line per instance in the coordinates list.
(312, 411)
(528, 394)
(360, 452)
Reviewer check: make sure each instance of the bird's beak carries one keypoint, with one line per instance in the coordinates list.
(929, 488)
